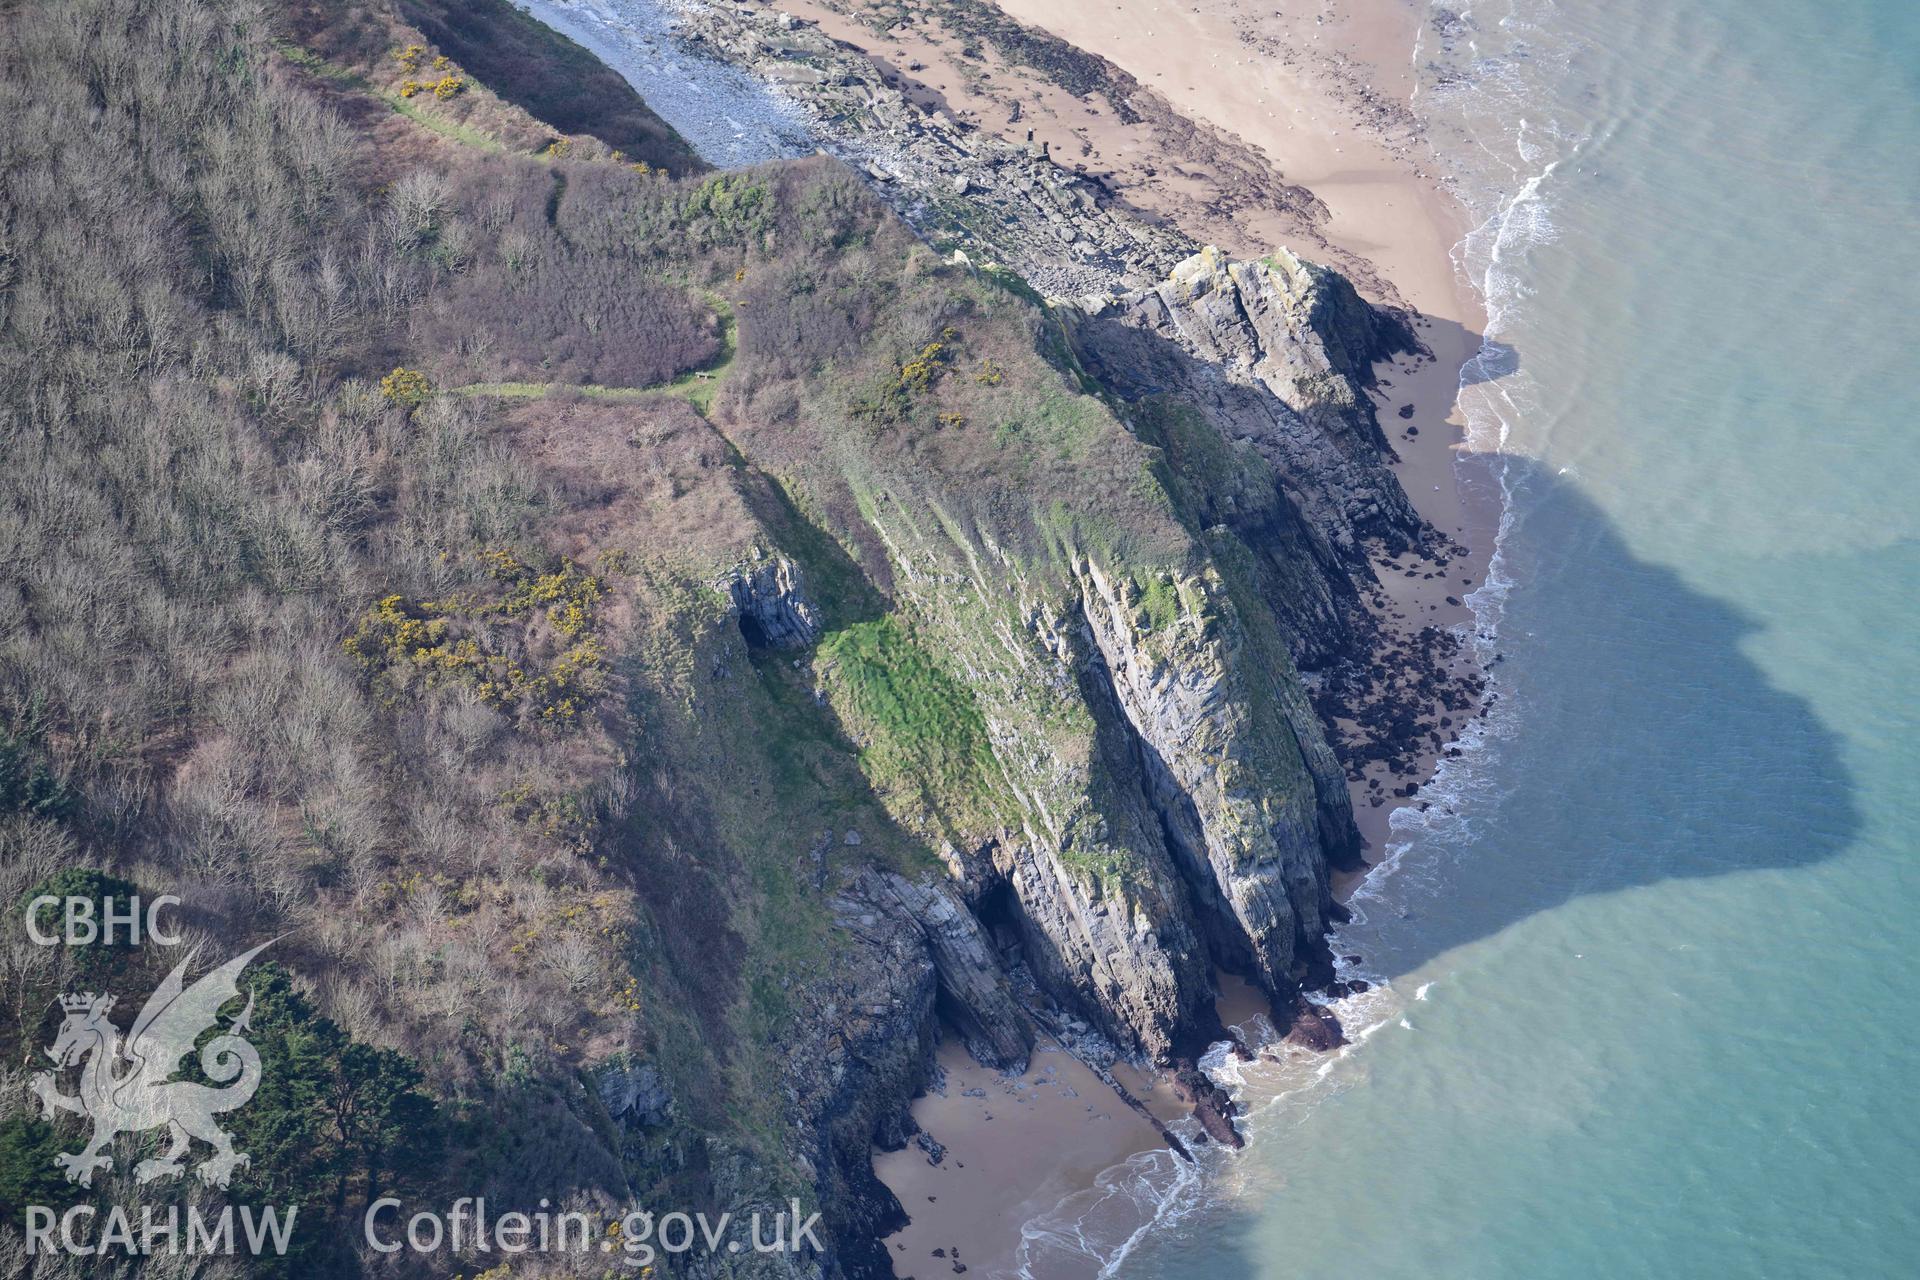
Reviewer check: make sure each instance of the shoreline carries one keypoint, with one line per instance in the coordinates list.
(995, 1151)
(1392, 226)
(1342, 178)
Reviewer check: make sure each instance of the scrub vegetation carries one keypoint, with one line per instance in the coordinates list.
(436, 688)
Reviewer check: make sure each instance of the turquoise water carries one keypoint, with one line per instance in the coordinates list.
(1655, 982)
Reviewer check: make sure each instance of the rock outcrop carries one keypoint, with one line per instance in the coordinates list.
(1278, 353)
(1008, 202)
(1078, 867)
(633, 1092)
(1212, 1106)
(973, 989)
(1242, 810)
(771, 601)
(1168, 801)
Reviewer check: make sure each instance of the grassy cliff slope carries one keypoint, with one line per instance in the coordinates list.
(623, 747)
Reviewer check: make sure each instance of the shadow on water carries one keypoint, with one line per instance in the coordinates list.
(1637, 742)
(1641, 744)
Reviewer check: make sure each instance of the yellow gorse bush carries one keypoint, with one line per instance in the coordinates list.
(406, 387)
(919, 373)
(568, 595)
(469, 639)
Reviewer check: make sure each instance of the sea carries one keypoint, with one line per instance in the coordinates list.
(1649, 962)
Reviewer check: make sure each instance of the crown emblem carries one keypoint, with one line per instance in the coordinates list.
(85, 1001)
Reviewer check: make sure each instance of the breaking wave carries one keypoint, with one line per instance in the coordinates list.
(1482, 69)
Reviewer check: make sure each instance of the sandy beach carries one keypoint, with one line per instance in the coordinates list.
(1004, 1149)
(1321, 91)
(1319, 95)
(1014, 1146)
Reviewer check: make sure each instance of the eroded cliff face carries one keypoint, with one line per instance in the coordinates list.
(1163, 797)
(769, 595)
(1278, 353)
(973, 987)
(1223, 764)
(1067, 656)
(1074, 861)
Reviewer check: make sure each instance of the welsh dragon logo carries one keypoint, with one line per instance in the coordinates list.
(126, 1087)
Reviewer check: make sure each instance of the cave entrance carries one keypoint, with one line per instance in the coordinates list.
(752, 632)
(1000, 915)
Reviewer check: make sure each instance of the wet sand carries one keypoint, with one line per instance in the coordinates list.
(1015, 1146)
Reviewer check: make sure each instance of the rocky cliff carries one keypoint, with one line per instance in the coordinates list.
(1119, 589)
(1049, 568)
(693, 741)
(1278, 353)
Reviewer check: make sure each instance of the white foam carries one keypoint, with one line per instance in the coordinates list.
(1502, 166)
(1153, 1191)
